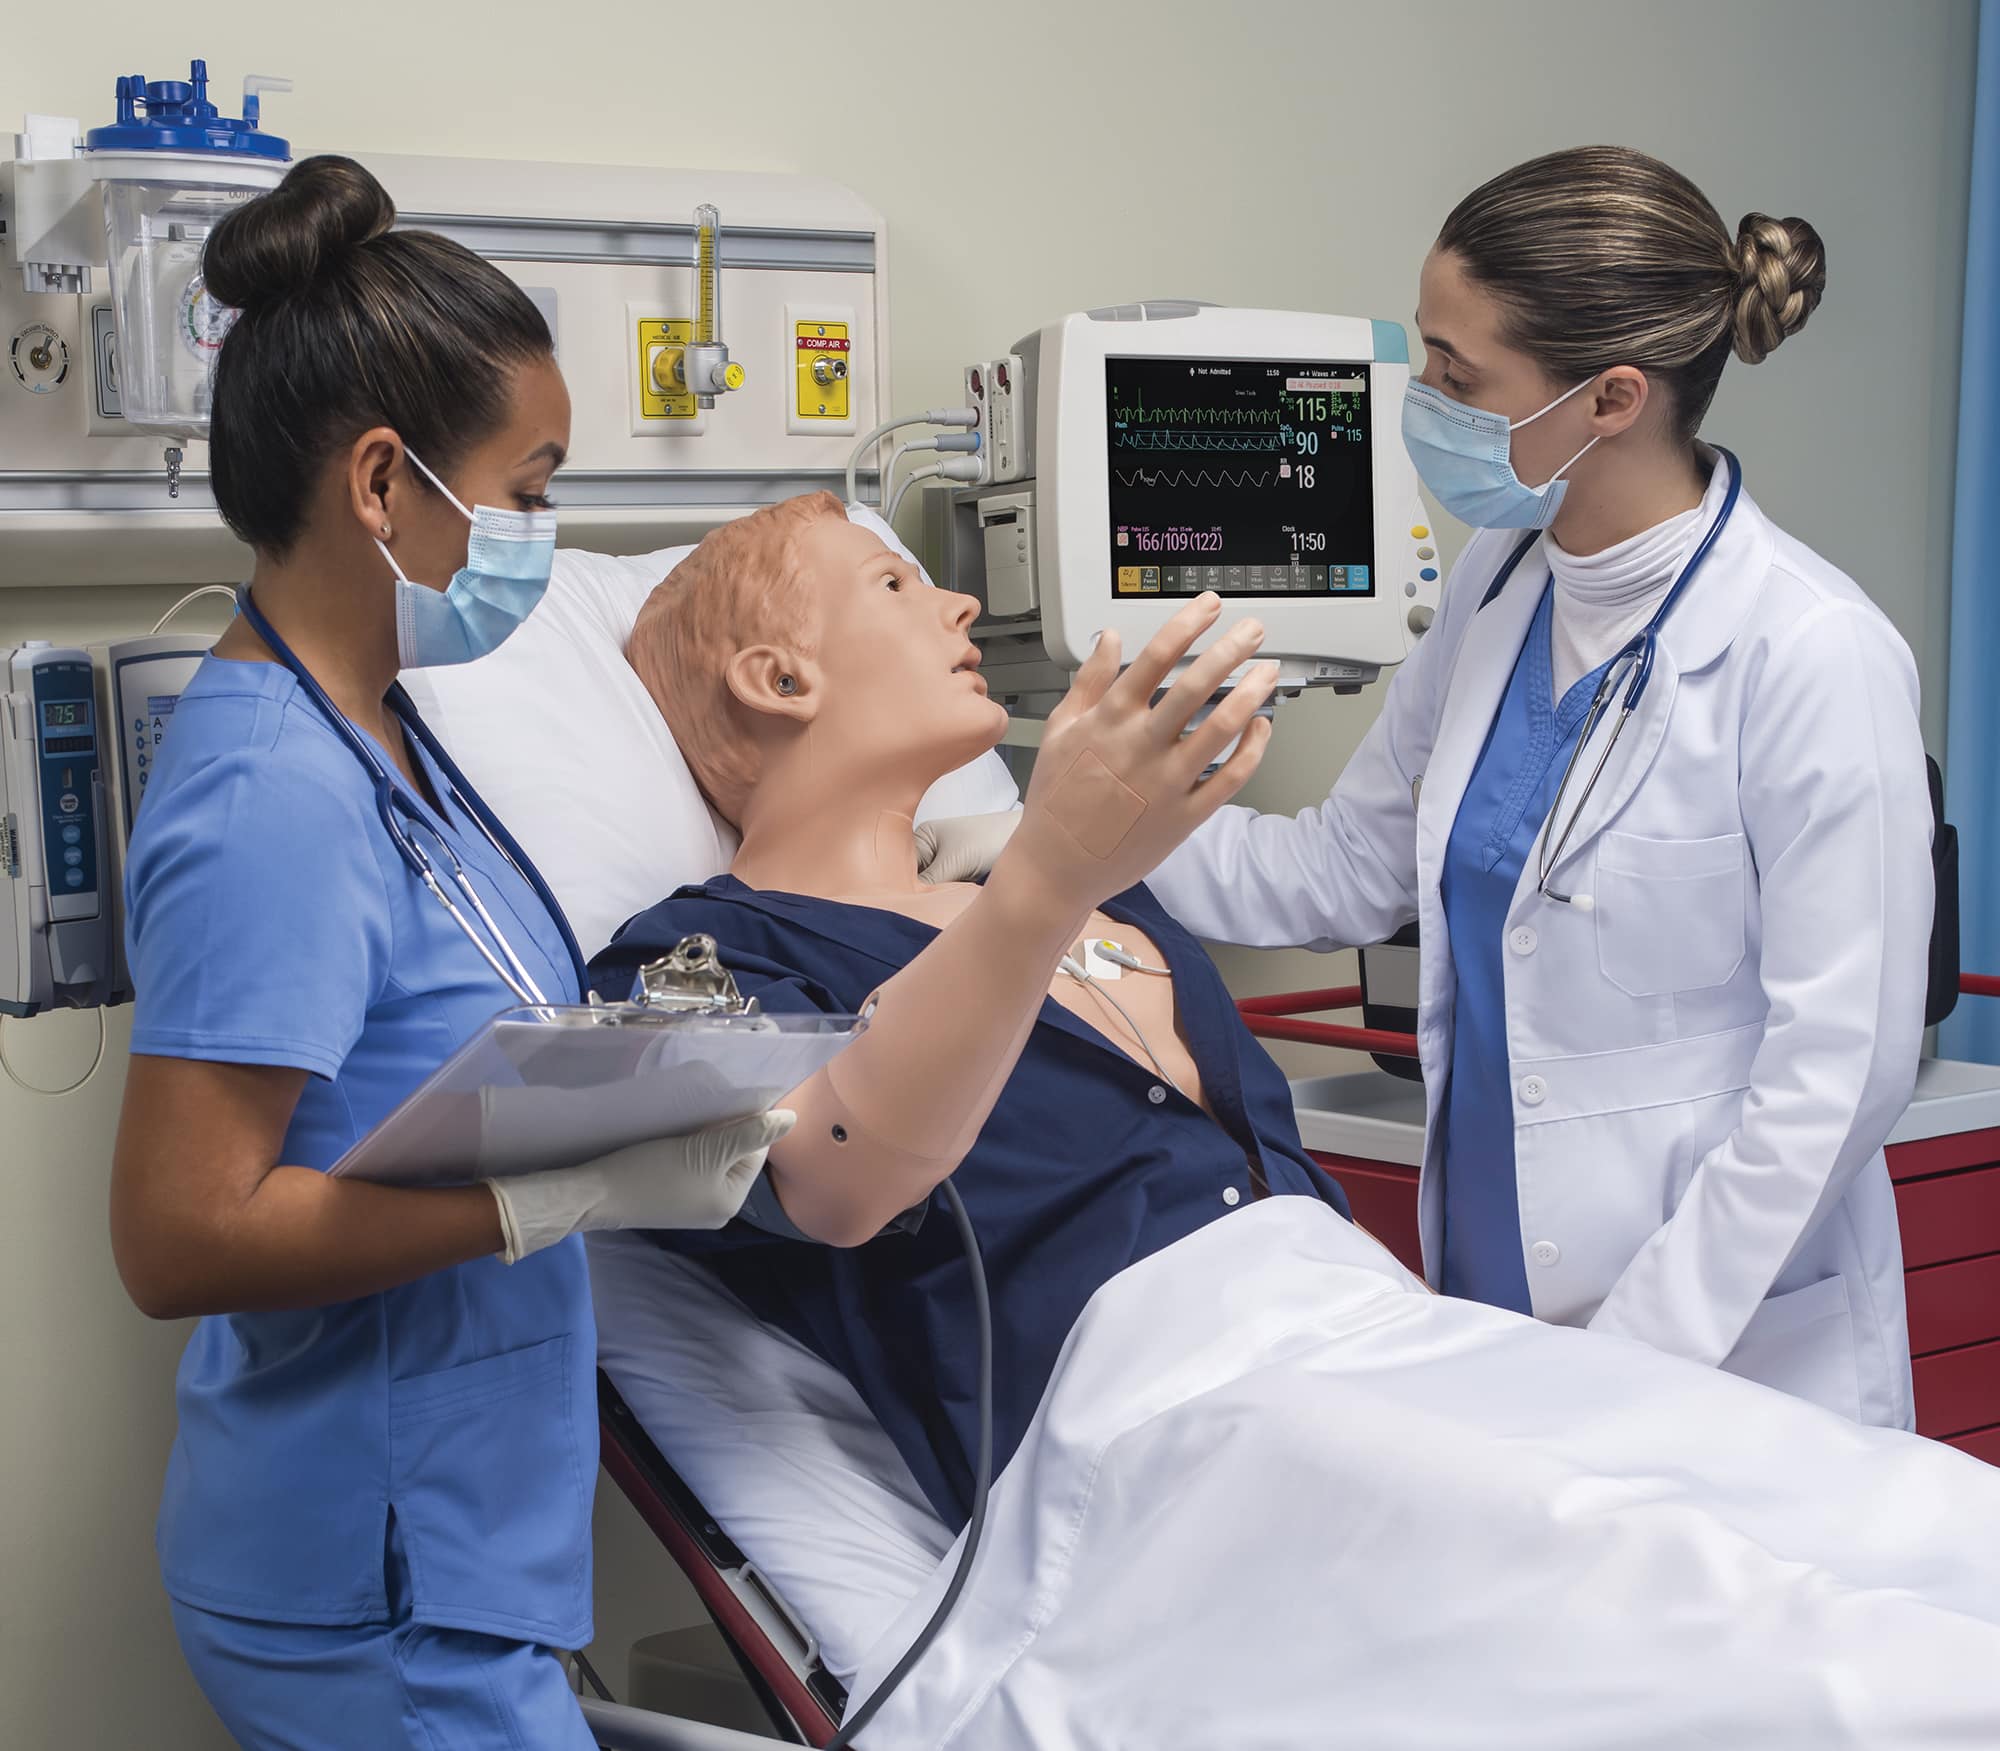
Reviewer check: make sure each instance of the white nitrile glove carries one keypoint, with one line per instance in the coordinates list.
(696, 1181)
(962, 848)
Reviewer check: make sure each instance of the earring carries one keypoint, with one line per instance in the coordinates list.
(385, 531)
(787, 686)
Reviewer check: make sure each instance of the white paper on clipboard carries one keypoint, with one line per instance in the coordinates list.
(539, 1088)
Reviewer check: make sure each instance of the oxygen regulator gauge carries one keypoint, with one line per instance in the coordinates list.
(40, 358)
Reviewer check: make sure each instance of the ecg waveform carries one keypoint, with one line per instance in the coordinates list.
(1234, 442)
(1141, 415)
(1187, 482)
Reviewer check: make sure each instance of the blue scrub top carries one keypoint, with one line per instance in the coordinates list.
(271, 921)
(1499, 822)
(1088, 1163)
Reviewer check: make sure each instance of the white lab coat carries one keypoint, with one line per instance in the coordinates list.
(1705, 1065)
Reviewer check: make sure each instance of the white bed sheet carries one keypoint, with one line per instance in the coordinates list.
(776, 1443)
(1276, 1496)
(1274, 1485)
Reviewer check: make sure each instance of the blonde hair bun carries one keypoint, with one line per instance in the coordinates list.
(1780, 278)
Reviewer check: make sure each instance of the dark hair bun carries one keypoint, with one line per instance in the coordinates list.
(279, 242)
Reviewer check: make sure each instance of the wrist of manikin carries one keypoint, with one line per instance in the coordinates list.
(1038, 907)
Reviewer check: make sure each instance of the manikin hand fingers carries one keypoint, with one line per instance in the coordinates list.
(1201, 679)
(1164, 649)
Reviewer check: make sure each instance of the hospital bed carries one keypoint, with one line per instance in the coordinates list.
(752, 1460)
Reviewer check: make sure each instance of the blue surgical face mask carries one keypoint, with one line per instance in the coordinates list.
(506, 573)
(1465, 455)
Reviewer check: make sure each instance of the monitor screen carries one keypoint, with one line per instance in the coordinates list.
(1249, 477)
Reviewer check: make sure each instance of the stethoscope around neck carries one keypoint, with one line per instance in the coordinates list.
(1631, 669)
(403, 819)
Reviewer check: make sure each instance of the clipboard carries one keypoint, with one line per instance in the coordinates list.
(550, 1087)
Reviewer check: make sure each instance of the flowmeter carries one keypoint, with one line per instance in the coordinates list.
(701, 366)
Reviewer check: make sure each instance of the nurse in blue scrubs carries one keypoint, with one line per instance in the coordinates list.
(376, 1523)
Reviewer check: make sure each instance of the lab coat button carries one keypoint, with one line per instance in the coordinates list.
(1545, 1252)
(1231, 1196)
(1156, 1094)
(1523, 939)
(1533, 1091)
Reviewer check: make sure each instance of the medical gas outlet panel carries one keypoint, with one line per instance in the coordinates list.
(721, 335)
(1139, 456)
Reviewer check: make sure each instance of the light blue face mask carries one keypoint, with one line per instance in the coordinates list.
(506, 573)
(1465, 455)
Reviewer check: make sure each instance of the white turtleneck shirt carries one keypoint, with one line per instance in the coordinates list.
(1602, 599)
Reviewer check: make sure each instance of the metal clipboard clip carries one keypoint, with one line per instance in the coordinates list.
(689, 979)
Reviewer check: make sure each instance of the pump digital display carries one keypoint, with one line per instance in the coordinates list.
(66, 714)
(1249, 477)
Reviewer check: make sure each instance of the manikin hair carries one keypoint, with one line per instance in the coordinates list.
(746, 584)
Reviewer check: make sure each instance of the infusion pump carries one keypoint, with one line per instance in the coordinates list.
(1139, 455)
(80, 730)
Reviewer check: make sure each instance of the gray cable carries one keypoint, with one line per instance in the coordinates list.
(910, 480)
(966, 417)
(1090, 984)
(228, 590)
(888, 474)
(27, 1087)
(981, 1485)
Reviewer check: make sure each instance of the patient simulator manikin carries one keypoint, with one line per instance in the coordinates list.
(818, 738)
(1255, 1486)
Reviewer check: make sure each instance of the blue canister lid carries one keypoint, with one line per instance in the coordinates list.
(171, 115)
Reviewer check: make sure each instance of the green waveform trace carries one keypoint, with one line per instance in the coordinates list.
(1196, 416)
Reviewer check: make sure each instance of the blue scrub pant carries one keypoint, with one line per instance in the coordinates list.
(308, 1687)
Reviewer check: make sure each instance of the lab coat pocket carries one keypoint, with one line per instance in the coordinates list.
(491, 1494)
(1669, 912)
(1802, 1342)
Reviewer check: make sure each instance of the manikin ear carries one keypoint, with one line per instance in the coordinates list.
(1618, 400)
(775, 682)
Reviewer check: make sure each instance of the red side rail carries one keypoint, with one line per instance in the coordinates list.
(1276, 1017)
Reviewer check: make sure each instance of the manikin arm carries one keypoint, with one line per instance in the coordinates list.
(1116, 787)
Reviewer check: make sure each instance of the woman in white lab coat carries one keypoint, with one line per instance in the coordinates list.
(1668, 1017)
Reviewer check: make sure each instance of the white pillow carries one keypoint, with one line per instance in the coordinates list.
(560, 737)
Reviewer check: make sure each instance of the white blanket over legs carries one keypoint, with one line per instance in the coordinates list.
(1276, 1495)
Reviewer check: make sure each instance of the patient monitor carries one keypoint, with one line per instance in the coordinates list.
(1139, 455)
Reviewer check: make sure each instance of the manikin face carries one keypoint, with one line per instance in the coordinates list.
(897, 675)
